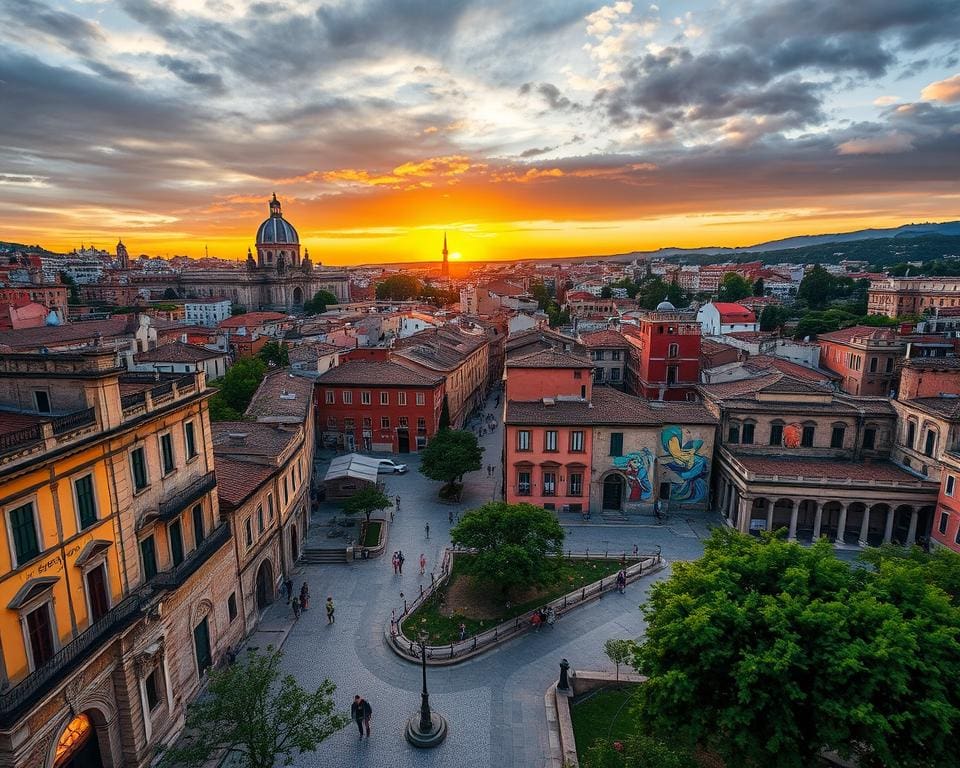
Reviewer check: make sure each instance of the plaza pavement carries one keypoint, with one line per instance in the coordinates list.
(494, 704)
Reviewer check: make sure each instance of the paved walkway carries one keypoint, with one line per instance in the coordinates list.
(494, 704)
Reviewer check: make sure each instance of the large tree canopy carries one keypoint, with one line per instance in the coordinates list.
(450, 454)
(514, 543)
(236, 389)
(767, 653)
(398, 288)
(734, 287)
(366, 501)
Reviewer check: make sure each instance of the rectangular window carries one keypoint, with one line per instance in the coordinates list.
(404, 422)
(86, 508)
(348, 425)
(672, 374)
(364, 398)
(401, 398)
(198, 532)
(148, 557)
(575, 484)
(138, 463)
(615, 354)
(873, 365)
(384, 422)
(201, 645)
(951, 480)
(523, 440)
(248, 532)
(421, 424)
(673, 350)
(930, 443)
(869, 439)
(367, 422)
(523, 483)
(944, 519)
(616, 443)
(421, 398)
(550, 440)
(330, 397)
(166, 453)
(598, 354)
(175, 534)
(190, 439)
(776, 434)
(42, 400)
(259, 518)
(746, 437)
(331, 422)
(806, 439)
(578, 374)
(598, 375)
(733, 434)
(549, 483)
(232, 606)
(889, 366)
(40, 633)
(270, 506)
(614, 374)
(96, 580)
(23, 529)
(152, 688)
(384, 398)
(576, 441)
(836, 437)
(347, 397)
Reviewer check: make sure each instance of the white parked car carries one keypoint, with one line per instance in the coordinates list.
(391, 467)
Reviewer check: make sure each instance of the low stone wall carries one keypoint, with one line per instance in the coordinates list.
(372, 552)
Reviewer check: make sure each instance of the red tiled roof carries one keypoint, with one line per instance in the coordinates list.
(607, 339)
(380, 373)
(550, 358)
(828, 469)
(176, 352)
(859, 332)
(583, 296)
(609, 406)
(251, 319)
(237, 480)
(734, 313)
(768, 362)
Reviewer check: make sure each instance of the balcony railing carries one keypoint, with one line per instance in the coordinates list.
(27, 692)
(175, 504)
(12, 441)
(177, 576)
(72, 421)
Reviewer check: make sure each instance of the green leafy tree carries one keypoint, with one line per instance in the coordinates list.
(444, 421)
(817, 287)
(236, 389)
(655, 290)
(319, 303)
(275, 354)
(619, 652)
(541, 293)
(366, 501)
(758, 287)
(734, 287)
(768, 653)
(556, 316)
(515, 544)
(237, 309)
(398, 288)
(628, 285)
(255, 716)
(773, 317)
(449, 456)
(72, 288)
(606, 292)
(637, 751)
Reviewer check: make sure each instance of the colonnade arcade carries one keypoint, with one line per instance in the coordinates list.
(807, 518)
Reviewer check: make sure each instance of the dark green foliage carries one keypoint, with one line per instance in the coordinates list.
(237, 309)
(398, 288)
(444, 421)
(758, 287)
(170, 293)
(514, 543)
(366, 501)
(236, 389)
(734, 287)
(255, 716)
(606, 292)
(438, 297)
(450, 455)
(766, 653)
(275, 354)
(655, 290)
(636, 751)
(319, 303)
(74, 291)
(773, 317)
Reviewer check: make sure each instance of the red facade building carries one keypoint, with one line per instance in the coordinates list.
(864, 357)
(664, 357)
(377, 406)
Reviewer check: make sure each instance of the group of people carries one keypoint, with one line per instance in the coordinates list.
(300, 602)
(398, 560)
(543, 616)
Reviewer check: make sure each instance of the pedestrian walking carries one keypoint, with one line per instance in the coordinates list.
(288, 588)
(426, 529)
(622, 581)
(396, 502)
(396, 564)
(391, 514)
(449, 515)
(361, 711)
(304, 597)
(330, 611)
(636, 550)
(423, 563)
(463, 631)
(295, 604)
(400, 561)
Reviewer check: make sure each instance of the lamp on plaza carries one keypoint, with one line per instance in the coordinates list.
(425, 728)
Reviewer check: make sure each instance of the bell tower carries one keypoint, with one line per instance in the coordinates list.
(445, 267)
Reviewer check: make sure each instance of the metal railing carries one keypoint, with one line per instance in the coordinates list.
(175, 504)
(12, 441)
(444, 654)
(78, 650)
(176, 576)
(72, 421)
(135, 398)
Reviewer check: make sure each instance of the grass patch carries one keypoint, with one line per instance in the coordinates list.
(462, 599)
(604, 715)
(371, 534)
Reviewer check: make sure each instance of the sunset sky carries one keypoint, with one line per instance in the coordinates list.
(523, 129)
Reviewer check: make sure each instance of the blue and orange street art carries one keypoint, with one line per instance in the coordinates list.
(690, 469)
(637, 467)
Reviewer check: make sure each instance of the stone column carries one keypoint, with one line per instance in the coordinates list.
(770, 514)
(817, 520)
(732, 503)
(794, 513)
(841, 525)
(912, 530)
(864, 527)
(888, 530)
(744, 514)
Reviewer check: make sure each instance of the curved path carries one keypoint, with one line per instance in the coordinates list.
(494, 704)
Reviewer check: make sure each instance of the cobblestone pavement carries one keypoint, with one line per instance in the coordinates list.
(494, 703)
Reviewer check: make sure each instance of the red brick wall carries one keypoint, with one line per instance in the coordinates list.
(920, 383)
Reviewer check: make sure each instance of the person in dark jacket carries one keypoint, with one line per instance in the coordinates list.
(361, 711)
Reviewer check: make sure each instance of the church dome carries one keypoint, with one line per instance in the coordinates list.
(276, 229)
(665, 306)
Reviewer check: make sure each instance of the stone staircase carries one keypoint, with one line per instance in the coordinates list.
(613, 517)
(323, 556)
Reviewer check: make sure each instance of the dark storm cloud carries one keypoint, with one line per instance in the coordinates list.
(536, 151)
(192, 73)
(551, 94)
(408, 24)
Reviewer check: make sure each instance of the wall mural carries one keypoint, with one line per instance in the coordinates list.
(691, 469)
(637, 468)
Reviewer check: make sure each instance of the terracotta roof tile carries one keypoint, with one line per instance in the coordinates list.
(381, 373)
(770, 362)
(281, 395)
(177, 352)
(609, 406)
(859, 332)
(250, 319)
(237, 480)
(550, 358)
(828, 469)
(606, 339)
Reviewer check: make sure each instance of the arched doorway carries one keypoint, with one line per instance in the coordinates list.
(294, 544)
(298, 295)
(78, 746)
(613, 492)
(265, 585)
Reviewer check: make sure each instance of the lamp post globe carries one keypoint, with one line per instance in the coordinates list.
(425, 728)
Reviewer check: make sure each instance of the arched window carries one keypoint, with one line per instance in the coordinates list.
(930, 442)
(911, 433)
(733, 432)
(673, 350)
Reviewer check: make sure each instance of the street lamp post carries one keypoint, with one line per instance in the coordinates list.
(426, 728)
